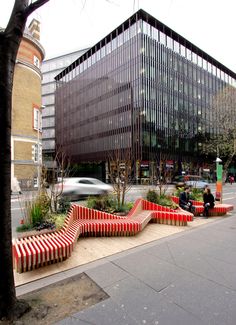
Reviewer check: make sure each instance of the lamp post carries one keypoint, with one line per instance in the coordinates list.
(219, 173)
(38, 145)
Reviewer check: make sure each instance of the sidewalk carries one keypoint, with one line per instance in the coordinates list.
(90, 249)
(184, 278)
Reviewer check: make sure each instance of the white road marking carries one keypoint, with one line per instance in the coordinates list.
(225, 193)
(230, 198)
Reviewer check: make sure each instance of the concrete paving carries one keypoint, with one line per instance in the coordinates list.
(93, 248)
(184, 278)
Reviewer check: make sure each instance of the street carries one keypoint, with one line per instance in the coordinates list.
(137, 191)
(18, 209)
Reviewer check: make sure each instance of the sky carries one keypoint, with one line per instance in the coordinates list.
(70, 25)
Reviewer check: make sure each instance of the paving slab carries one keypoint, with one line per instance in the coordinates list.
(187, 278)
(106, 312)
(151, 270)
(211, 302)
(107, 274)
(137, 303)
(92, 249)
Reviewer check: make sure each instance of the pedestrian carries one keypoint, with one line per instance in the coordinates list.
(231, 179)
(184, 200)
(208, 201)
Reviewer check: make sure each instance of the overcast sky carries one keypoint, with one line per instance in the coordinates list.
(69, 25)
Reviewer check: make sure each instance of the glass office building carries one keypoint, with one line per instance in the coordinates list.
(142, 87)
(50, 68)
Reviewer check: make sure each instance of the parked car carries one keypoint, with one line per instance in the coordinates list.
(77, 187)
(190, 180)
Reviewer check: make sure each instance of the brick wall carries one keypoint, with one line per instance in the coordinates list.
(26, 96)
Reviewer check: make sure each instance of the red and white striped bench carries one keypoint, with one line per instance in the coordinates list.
(219, 209)
(35, 251)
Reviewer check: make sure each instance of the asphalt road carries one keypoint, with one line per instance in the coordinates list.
(137, 191)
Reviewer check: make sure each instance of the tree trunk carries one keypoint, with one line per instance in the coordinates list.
(10, 38)
(7, 289)
(9, 305)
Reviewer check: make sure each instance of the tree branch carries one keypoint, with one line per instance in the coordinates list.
(34, 6)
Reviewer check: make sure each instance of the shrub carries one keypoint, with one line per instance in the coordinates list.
(129, 205)
(107, 204)
(195, 194)
(167, 202)
(163, 199)
(102, 203)
(178, 191)
(45, 225)
(126, 207)
(24, 227)
(64, 205)
(43, 201)
(36, 209)
(36, 214)
(59, 220)
(152, 196)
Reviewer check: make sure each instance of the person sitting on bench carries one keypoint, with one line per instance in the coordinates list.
(208, 201)
(184, 201)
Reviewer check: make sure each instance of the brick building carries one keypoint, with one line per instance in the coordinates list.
(27, 109)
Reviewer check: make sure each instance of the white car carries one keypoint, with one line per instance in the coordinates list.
(196, 182)
(77, 187)
(15, 186)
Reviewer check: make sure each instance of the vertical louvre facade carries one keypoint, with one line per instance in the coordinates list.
(142, 87)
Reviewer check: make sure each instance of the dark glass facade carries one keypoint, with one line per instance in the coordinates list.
(142, 87)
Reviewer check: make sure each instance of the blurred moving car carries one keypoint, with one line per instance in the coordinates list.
(15, 186)
(77, 187)
(190, 180)
(196, 181)
(178, 181)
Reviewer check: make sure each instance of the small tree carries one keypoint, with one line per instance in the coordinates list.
(61, 167)
(162, 173)
(222, 143)
(120, 167)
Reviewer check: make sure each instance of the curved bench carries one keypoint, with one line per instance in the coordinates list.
(38, 250)
(219, 209)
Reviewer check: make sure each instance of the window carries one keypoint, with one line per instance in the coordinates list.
(176, 46)
(48, 144)
(48, 88)
(35, 182)
(162, 38)
(85, 181)
(36, 62)
(170, 43)
(49, 111)
(37, 120)
(48, 99)
(48, 133)
(35, 152)
(49, 122)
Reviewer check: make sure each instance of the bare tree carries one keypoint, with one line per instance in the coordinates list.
(10, 39)
(61, 167)
(161, 173)
(120, 167)
(222, 142)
